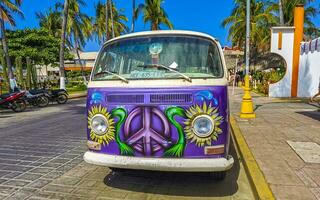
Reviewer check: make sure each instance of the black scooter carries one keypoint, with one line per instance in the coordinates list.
(40, 100)
(59, 95)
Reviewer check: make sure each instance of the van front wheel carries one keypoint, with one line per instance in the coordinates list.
(219, 176)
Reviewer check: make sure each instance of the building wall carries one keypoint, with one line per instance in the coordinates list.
(285, 49)
(309, 64)
(309, 68)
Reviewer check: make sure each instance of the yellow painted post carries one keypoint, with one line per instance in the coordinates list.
(298, 37)
(247, 104)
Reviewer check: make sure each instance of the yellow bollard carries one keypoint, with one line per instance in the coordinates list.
(247, 104)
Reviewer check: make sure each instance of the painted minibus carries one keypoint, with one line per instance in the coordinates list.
(158, 100)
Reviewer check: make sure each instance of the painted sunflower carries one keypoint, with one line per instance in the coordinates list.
(101, 125)
(202, 124)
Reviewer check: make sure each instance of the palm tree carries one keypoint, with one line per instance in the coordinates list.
(310, 13)
(7, 8)
(118, 20)
(62, 44)
(261, 20)
(79, 28)
(154, 13)
(133, 15)
(51, 20)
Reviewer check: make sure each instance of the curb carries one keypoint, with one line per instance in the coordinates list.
(76, 96)
(257, 180)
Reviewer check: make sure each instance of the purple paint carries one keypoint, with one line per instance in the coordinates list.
(147, 129)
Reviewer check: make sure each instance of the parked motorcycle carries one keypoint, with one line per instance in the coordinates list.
(40, 100)
(59, 95)
(13, 101)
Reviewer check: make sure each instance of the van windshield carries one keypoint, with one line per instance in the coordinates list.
(159, 57)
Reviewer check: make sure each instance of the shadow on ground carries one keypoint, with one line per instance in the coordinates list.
(175, 183)
(312, 114)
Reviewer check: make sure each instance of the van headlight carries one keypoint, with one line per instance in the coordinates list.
(203, 126)
(99, 124)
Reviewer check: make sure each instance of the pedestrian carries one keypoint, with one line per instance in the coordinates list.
(318, 93)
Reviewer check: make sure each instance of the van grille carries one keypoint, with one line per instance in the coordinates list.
(171, 98)
(127, 98)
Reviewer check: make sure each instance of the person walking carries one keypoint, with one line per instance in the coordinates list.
(318, 93)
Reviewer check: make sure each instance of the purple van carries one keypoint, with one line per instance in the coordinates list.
(158, 101)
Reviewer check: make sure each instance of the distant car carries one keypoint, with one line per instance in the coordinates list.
(159, 101)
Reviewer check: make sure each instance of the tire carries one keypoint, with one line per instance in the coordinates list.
(43, 101)
(62, 99)
(219, 176)
(119, 170)
(19, 105)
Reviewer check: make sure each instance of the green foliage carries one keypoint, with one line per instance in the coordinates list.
(99, 26)
(37, 44)
(311, 11)
(76, 86)
(154, 13)
(262, 18)
(266, 78)
(264, 15)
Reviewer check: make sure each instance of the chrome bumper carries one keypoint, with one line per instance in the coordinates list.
(160, 164)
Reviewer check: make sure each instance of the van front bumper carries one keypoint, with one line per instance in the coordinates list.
(160, 164)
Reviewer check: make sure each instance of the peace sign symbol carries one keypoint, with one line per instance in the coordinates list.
(152, 141)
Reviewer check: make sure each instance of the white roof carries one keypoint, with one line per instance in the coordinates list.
(87, 55)
(163, 32)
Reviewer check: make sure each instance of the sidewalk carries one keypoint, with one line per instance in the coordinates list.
(277, 122)
(76, 95)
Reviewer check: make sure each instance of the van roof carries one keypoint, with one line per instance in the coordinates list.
(163, 32)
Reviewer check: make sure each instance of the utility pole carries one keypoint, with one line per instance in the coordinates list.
(281, 17)
(247, 104)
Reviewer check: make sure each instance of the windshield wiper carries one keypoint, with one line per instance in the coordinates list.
(170, 69)
(117, 75)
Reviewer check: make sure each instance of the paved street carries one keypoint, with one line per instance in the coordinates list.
(41, 158)
(277, 124)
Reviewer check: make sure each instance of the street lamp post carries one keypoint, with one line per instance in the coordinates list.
(247, 104)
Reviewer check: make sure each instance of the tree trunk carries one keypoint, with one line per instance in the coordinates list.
(29, 74)
(107, 19)
(111, 16)
(281, 15)
(79, 59)
(133, 15)
(5, 73)
(6, 53)
(154, 26)
(62, 44)
(20, 72)
(34, 75)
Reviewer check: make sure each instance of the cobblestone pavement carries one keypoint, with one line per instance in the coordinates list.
(41, 158)
(267, 135)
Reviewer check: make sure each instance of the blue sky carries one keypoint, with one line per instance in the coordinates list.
(201, 15)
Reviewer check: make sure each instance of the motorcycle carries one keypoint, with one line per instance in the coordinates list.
(13, 101)
(59, 95)
(40, 100)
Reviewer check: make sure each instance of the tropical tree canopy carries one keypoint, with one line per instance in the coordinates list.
(8, 8)
(310, 13)
(264, 15)
(51, 21)
(37, 44)
(154, 13)
(119, 20)
(79, 25)
(262, 18)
